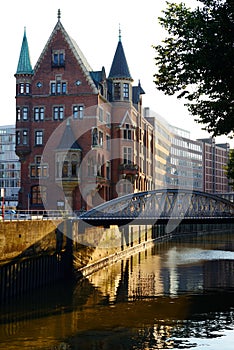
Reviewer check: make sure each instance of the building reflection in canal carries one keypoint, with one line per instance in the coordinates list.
(172, 296)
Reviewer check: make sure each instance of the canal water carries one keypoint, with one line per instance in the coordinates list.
(177, 295)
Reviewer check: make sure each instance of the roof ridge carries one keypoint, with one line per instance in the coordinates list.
(86, 68)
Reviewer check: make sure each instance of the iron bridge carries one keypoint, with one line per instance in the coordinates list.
(159, 206)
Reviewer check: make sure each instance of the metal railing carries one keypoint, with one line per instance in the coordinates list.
(39, 215)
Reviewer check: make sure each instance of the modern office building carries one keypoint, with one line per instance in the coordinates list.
(9, 166)
(185, 161)
(162, 145)
(177, 158)
(215, 158)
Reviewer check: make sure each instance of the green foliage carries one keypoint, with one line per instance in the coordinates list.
(196, 61)
(230, 168)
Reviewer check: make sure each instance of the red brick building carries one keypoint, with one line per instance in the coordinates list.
(215, 158)
(80, 135)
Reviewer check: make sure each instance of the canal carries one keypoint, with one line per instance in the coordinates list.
(176, 295)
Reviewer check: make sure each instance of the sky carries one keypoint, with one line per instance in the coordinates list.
(95, 27)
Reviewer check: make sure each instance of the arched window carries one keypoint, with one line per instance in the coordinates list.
(38, 195)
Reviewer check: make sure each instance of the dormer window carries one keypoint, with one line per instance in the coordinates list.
(58, 58)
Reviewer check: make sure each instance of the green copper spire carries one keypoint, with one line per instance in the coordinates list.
(24, 64)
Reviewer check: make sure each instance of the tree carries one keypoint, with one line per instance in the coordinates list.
(196, 61)
(230, 168)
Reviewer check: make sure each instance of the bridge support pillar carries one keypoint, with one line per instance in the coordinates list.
(131, 237)
(146, 233)
(139, 234)
(124, 237)
(154, 231)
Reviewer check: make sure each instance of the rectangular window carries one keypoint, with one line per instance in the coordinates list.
(100, 114)
(38, 170)
(44, 170)
(127, 155)
(117, 91)
(21, 88)
(61, 58)
(55, 59)
(53, 88)
(25, 137)
(58, 88)
(64, 88)
(78, 112)
(127, 133)
(25, 113)
(38, 159)
(38, 195)
(126, 91)
(33, 171)
(108, 143)
(108, 120)
(18, 114)
(18, 139)
(27, 88)
(38, 113)
(38, 137)
(58, 58)
(58, 113)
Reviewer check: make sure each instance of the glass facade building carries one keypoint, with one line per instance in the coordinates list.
(9, 166)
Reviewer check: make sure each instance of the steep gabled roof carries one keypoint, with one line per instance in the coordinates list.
(127, 120)
(24, 63)
(83, 63)
(68, 140)
(119, 67)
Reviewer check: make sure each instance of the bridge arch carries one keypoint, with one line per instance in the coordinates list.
(163, 204)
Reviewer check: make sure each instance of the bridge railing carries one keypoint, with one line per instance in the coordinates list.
(38, 215)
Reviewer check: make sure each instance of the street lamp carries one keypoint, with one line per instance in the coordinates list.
(2, 196)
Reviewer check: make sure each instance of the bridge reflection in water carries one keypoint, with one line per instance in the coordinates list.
(160, 206)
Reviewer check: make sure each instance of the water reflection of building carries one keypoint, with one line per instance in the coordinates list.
(219, 274)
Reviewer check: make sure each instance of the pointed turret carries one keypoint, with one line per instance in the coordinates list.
(120, 80)
(24, 64)
(119, 68)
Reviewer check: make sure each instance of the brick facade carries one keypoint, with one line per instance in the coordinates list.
(108, 149)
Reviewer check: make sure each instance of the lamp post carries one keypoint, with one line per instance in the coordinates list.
(2, 195)
(28, 202)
